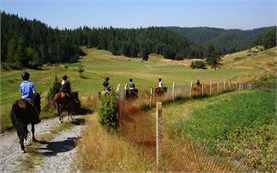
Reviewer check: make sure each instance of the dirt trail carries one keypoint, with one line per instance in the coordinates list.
(55, 155)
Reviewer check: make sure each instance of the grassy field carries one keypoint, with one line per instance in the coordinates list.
(99, 64)
(180, 145)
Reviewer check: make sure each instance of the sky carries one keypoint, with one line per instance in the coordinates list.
(71, 14)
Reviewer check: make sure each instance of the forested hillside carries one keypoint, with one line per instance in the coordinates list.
(225, 40)
(31, 43)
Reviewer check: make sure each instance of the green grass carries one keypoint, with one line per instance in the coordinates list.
(99, 64)
(241, 126)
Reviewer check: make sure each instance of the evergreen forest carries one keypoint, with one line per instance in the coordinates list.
(31, 43)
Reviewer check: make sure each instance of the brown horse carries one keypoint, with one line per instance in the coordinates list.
(24, 112)
(131, 94)
(159, 92)
(63, 101)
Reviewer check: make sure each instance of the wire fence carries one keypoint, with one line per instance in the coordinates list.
(142, 130)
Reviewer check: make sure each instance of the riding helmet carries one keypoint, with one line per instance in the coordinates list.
(64, 77)
(25, 75)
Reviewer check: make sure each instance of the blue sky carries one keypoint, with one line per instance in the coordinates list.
(228, 14)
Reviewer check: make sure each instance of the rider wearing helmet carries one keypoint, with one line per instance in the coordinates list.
(106, 84)
(160, 84)
(131, 85)
(28, 90)
(65, 85)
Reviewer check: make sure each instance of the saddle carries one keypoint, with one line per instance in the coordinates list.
(22, 103)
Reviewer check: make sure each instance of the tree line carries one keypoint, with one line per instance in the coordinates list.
(229, 40)
(31, 43)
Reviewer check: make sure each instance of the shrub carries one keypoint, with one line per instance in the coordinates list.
(198, 64)
(107, 110)
(54, 88)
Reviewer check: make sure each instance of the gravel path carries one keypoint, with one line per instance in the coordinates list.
(55, 155)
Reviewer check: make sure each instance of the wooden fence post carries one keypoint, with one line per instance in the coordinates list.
(202, 89)
(151, 95)
(218, 89)
(173, 91)
(210, 88)
(190, 89)
(159, 110)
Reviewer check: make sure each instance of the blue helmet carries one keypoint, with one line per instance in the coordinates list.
(25, 75)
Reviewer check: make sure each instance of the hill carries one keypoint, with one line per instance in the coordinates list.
(225, 40)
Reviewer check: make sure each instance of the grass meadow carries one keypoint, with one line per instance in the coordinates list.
(130, 149)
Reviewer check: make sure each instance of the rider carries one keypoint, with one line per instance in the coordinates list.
(131, 85)
(160, 84)
(198, 84)
(28, 91)
(106, 84)
(65, 87)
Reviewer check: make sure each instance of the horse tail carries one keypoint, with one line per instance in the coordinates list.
(17, 121)
(50, 103)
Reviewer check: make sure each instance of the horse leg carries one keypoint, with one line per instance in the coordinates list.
(61, 114)
(21, 141)
(33, 132)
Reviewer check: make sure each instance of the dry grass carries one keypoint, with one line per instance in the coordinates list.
(132, 147)
(107, 151)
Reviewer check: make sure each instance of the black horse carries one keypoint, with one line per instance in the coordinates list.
(24, 112)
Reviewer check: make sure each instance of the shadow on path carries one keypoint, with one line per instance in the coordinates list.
(55, 147)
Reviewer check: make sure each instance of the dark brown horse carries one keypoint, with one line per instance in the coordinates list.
(24, 112)
(131, 94)
(159, 92)
(63, 101)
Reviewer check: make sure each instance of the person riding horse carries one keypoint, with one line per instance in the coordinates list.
(160, 90)
(65, 87)
(106, 85)
(132, 92)
(198, 85)
(28, 91)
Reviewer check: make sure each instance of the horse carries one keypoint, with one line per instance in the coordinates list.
(131, 94)
(63, 101)
(24, 112)
(198, 87)
(159, 92)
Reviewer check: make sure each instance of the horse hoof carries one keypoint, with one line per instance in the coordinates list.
(34, 139)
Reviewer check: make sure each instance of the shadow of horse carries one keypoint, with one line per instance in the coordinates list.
(160, 92)
(63, 101)
(55, 147)
(23, 112)
(131, 94)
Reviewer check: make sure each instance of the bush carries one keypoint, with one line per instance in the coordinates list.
(198, 64)
(107, 109)
(54, 88)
